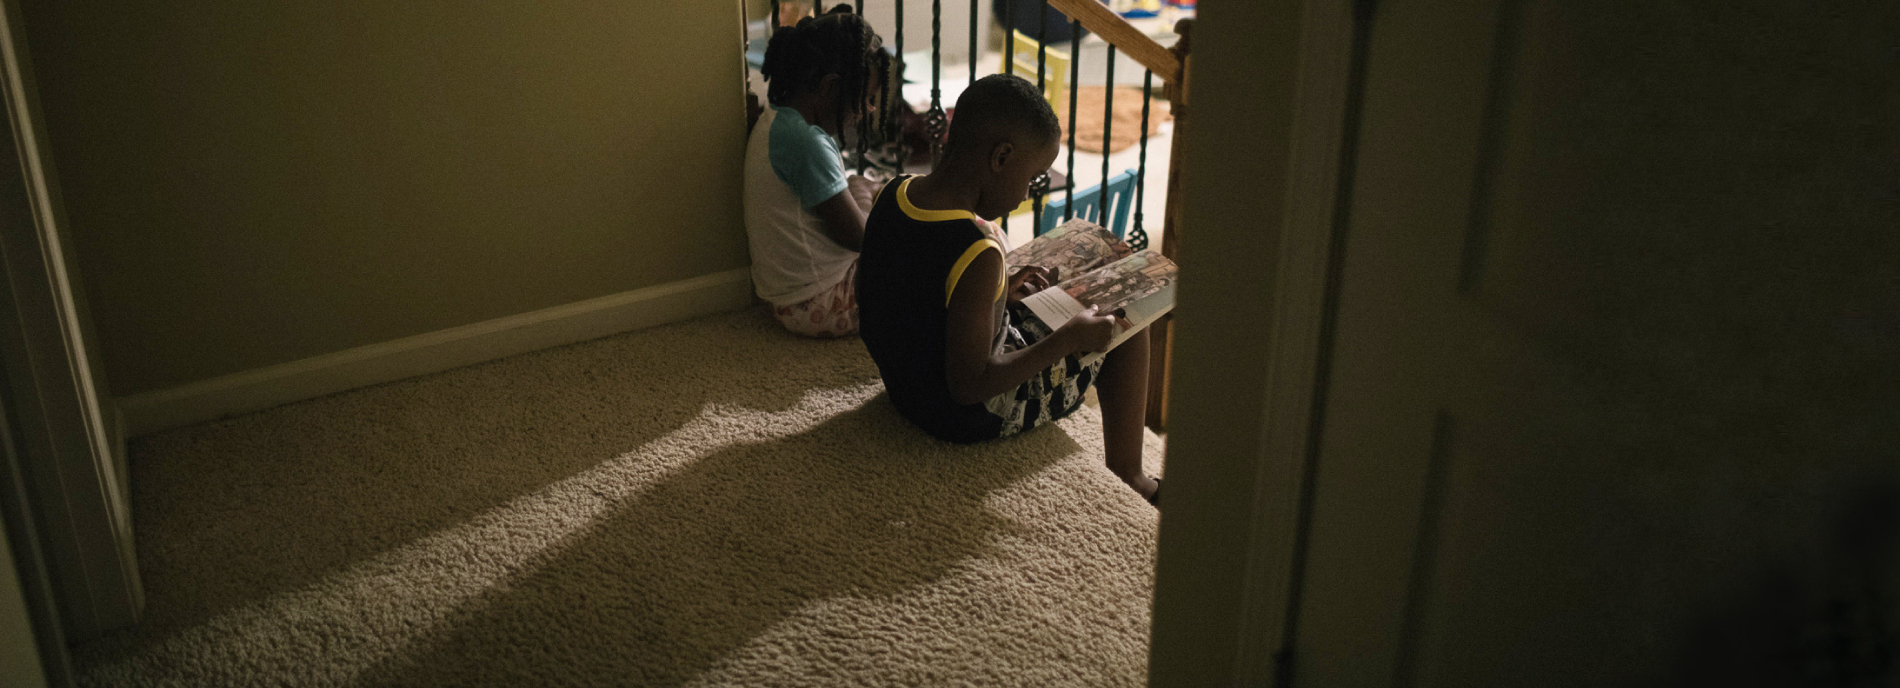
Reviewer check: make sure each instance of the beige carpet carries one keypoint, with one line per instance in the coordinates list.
(1090, 102)
(712, 503)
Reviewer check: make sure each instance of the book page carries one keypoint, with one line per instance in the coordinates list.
(1122, 282)
(1140, 286)
(1140, 314)
(1054, 307)
(1076, 247)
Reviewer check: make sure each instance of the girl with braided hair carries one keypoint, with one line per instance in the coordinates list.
(804, 216)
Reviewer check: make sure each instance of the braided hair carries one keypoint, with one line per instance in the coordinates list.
(837, 42)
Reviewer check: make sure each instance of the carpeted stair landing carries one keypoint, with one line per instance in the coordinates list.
(711, 503)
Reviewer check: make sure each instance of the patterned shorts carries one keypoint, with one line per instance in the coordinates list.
(832, 313)
(1053, 393)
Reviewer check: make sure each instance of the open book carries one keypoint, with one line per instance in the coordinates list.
(1096, 269)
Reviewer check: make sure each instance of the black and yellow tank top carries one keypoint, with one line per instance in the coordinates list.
(910, 264)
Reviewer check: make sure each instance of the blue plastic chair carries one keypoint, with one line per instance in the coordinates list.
(1095, 206)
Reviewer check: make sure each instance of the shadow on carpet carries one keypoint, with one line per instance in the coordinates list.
(708, 503)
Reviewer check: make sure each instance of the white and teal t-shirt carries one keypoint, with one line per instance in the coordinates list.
(791, 166)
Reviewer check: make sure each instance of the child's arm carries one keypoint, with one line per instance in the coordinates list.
(864, 190)
(844, 220)
(976, 373)
(844, 213)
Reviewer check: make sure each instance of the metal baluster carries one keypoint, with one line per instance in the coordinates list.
(971, 58)
(1009, 40)
(1040, 186)
(1042, 41)
(864, 133)
(934, 120)
(1075, 72)
(1137, 237)
(903, 151)
(860, 7)
(774, 24)
(1009, 67)
(1108, 125)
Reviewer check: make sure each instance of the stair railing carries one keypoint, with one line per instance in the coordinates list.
(1170, 64)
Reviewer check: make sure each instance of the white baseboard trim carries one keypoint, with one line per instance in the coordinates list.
(262, 388)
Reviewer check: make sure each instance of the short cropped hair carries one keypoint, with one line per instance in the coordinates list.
(1001, 107)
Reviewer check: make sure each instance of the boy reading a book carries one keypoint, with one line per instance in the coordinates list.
(940, 316)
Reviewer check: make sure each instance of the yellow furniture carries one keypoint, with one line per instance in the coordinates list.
(1055, 75)
(1055, 81)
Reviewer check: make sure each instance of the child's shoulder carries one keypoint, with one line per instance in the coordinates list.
(896, 193)
(795, 142)
(888, 218)
(911, 230)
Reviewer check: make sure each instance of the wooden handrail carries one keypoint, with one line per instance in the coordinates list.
(1102, 21)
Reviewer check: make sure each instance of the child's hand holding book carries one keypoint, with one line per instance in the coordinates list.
(1092, 332)
(1029, 279)
(1100, 274)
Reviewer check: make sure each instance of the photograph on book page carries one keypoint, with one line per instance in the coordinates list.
(1071, 249)
(1122, 282)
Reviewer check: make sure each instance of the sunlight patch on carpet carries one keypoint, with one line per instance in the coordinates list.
(331, 632)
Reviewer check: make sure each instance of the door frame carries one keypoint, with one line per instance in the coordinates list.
(69, 441)
(1267, 233)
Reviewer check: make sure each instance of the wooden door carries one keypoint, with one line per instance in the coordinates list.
(1615, 387)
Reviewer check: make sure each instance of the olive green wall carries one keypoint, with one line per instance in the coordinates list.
(253, 183)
